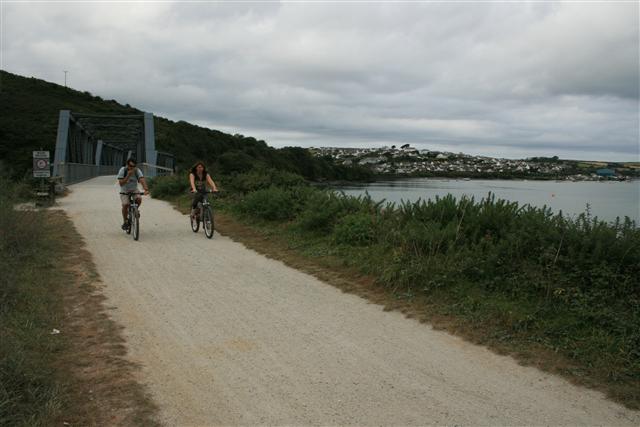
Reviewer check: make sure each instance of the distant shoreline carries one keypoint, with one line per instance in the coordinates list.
(382, 178)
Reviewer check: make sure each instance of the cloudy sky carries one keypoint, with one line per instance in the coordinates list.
(507, 79)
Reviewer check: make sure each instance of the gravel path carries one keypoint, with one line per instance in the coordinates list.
(228, 337)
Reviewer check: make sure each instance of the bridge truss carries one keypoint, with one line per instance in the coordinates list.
(89, 145)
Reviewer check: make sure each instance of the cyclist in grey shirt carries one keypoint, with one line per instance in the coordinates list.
(128, 178)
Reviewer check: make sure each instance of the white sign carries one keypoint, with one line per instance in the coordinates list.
(41, 164)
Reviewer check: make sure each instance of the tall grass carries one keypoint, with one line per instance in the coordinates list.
(29, 310)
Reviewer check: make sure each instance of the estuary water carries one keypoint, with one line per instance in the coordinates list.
(606, 200)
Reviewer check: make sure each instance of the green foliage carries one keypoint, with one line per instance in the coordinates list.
(29, 393)
(322, 210)
(261, 178)
(356, 229)
(270, 204)
(235, 161)
(166, 186)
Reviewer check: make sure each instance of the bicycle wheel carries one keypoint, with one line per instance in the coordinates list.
(128, 229)
(195, 222)
(207, 222)
(135, 224)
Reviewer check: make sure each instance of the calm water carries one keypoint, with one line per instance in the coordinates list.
(606, 199)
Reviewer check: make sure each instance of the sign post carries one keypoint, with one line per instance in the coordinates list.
(41, 164)
(42, 170)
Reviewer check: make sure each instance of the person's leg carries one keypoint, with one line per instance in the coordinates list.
(125, 212)
(139, 202)
(125, 208)
(197, 198)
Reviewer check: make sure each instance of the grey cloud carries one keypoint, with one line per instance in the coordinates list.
(509, 77)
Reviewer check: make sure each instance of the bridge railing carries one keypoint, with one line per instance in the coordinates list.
(71, 173)
(76, 172)
(154, 170)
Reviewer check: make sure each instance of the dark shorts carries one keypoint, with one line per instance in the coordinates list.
(197, 198)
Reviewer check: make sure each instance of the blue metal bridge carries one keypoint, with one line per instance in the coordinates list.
(89, 145)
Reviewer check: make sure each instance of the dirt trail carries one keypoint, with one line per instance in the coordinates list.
(228, 337)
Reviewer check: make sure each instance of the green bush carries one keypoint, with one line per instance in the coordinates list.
(320, 213)
(234, 161)
(166, 186)
(324, 208)
(272, 204)
(262, 178)
(356, 229)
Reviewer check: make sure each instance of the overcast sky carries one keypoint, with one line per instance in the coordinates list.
(501, 79)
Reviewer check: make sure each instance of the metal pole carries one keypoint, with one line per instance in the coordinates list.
(65, 78)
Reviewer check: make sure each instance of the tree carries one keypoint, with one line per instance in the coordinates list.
(235, 161)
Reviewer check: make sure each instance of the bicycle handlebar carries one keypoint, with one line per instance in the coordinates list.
(139, 193)
(204, 192)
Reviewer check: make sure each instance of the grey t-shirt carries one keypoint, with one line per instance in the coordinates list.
(132, 183)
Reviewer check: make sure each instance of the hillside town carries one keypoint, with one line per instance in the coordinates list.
(409, 161)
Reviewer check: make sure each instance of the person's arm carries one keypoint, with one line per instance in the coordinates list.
(192, 180)
(144, 185)
(211, 183)
(122, 181)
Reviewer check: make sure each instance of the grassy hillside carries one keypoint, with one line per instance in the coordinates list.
(29, 118)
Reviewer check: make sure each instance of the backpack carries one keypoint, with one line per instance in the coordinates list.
(138, 173)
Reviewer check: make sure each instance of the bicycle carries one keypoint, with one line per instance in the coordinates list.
(203, 213)
(133, 216)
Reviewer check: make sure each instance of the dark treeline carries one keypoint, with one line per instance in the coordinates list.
(29, 110)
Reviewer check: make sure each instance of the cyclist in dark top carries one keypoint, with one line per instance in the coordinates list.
(199, 179)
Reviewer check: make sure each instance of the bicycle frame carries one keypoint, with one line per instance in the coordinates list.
(205, 202)
(203, 207)
(132, 217)
(133, 201)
